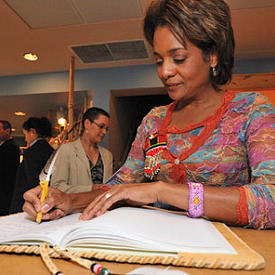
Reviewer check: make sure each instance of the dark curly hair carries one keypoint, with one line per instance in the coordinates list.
(42, 126)
(206, 24)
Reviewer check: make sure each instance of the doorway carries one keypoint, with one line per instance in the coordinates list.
(127, 108)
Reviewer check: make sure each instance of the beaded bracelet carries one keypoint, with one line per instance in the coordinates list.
(196, 200)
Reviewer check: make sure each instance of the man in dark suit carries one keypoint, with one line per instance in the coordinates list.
(9, 161)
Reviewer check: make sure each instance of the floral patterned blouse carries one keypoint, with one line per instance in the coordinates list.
(97, 170)
(234, 147)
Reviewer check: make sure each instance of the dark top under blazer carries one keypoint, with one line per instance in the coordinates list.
(34, 160)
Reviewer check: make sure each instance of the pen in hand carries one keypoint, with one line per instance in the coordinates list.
(44, 185)
(44, 179)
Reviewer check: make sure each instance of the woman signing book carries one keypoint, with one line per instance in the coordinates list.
(210, 152)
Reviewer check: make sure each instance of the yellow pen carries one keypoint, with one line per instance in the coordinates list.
(44, 179)
(44, 185)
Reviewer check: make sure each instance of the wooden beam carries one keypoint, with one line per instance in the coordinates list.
(251, 82)
(71, 99)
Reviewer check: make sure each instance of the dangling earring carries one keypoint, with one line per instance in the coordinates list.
(214, 71)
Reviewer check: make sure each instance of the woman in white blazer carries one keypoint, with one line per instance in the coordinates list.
(82, 164)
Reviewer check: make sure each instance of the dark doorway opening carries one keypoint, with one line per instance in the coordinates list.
(127, 108)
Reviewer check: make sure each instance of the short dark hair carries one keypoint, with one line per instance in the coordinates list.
(6, 125)
(42, 126)
(206, 24)
(92, 114)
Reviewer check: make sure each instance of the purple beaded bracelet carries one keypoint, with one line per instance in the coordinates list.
(196, 200)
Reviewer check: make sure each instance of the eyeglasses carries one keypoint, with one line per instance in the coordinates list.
(100, 126)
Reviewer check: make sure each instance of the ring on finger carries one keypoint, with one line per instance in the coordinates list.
(108, 195)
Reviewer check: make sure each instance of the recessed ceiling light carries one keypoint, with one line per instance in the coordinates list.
(19, 113)
(30, 56)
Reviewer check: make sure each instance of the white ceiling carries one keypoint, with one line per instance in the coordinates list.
(50, 27)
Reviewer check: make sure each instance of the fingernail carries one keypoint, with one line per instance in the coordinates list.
(45, 207)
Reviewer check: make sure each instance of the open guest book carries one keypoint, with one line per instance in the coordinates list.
(135, 235)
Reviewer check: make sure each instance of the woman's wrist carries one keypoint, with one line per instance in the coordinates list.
(69, 203)
(159, 189)
(173, 194)
(79, 201)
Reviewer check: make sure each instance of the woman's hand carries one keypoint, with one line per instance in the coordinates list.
(56, 205)
(133, 194)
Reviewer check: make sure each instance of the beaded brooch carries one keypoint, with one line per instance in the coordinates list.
(154, 146)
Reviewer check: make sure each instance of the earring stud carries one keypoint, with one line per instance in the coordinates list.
(214, 71)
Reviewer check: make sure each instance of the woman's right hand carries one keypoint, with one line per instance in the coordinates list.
(133, 194)
(56, 205)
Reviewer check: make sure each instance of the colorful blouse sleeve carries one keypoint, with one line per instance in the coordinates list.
(133, 169)
(260, 143)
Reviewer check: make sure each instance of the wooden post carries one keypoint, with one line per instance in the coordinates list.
(90, 99)
(71, 99)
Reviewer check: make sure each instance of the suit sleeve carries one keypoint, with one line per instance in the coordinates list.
(60, 176)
